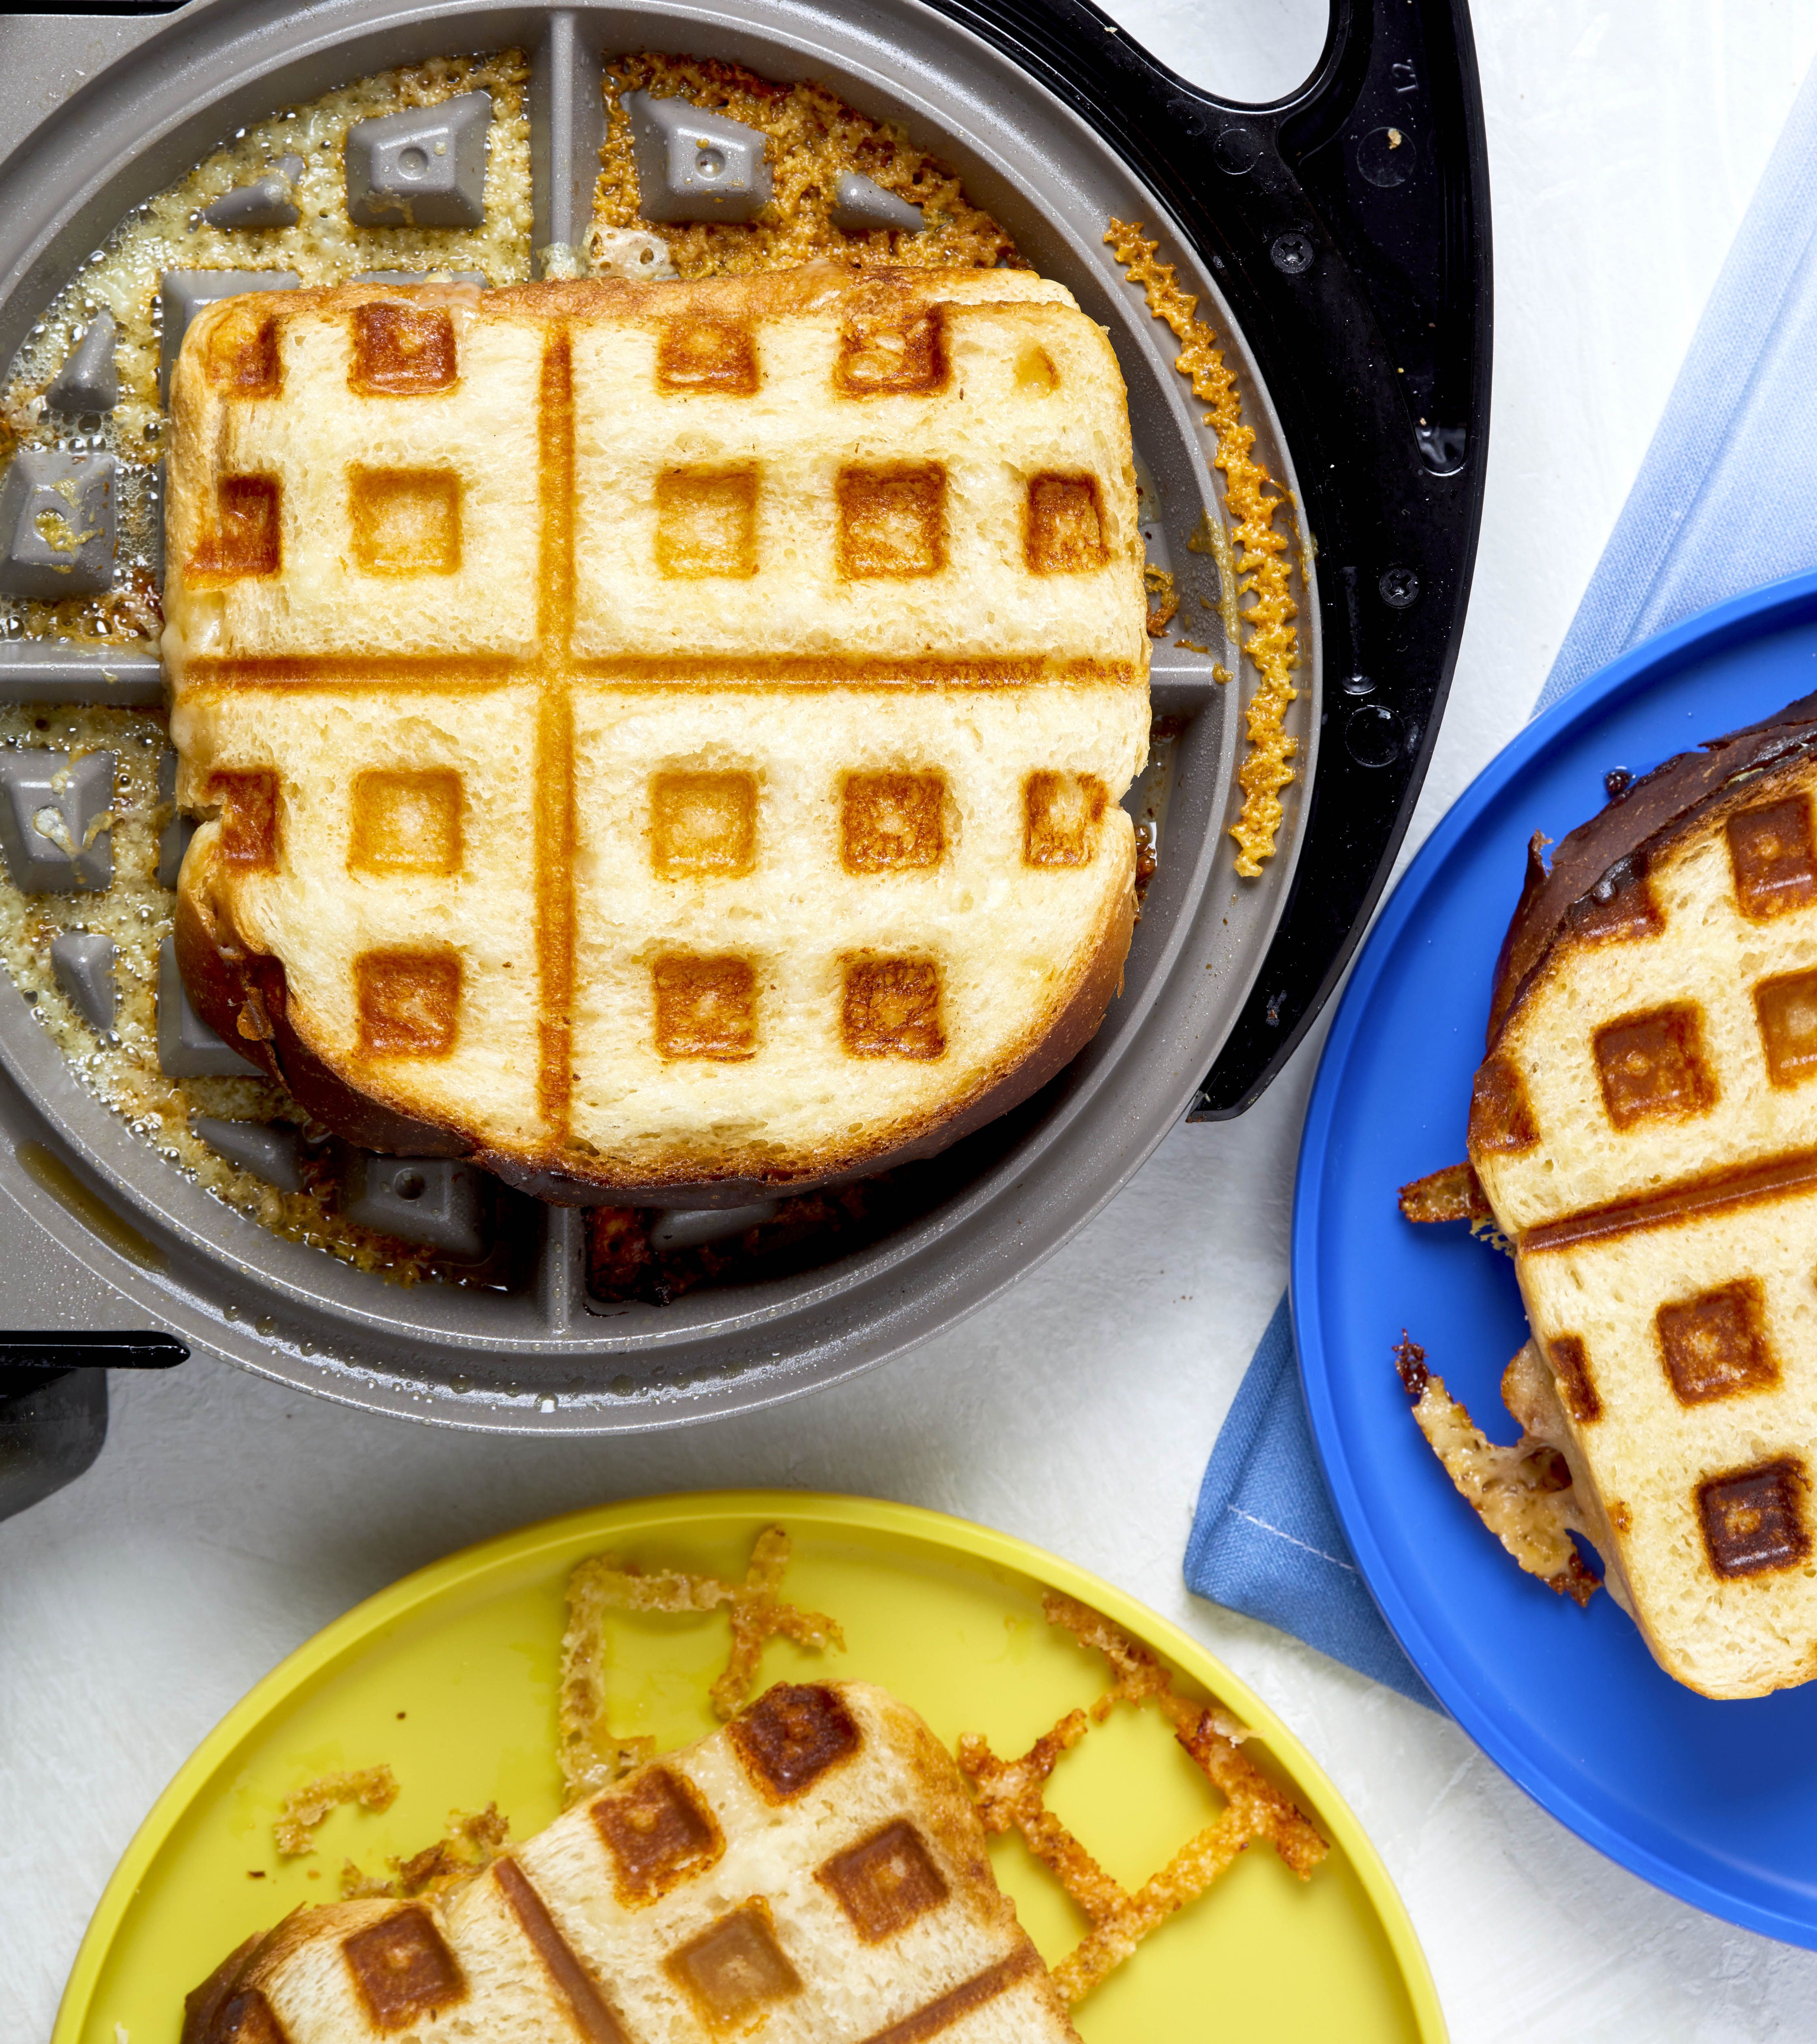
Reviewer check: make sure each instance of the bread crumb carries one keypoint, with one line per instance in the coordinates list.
(813, 137)
(471, 1842)
(305, 1808)
(1163, 598)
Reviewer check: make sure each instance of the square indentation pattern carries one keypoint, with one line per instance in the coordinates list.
(704, 1007)
(241, 358)
(1065, 532)
(1501, 1116)
(885, 1881)
(893, 354)
(404, 521)
(892, 521)
(407, 822)
(1571, 1369)
(248, 799)
(1774, 861)
(408, 1002)
(1652, 1067)
(892, 821)
(327, 594)
(892, 1008)
(244, 536)
(403, 1969)
(1060, 816)
(1619, 909)
(659, 1832)
(716, 356)
(735, 1968)
(247, 2019)
(793, 1734)
(706, 522)
(911, 576)
(1787, 1010)
(703, 825)
(1714, 1345)
(1754, 1520)
(695, 816)
(402, 351)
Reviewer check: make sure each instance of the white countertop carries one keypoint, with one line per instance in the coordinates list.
(228, 1521)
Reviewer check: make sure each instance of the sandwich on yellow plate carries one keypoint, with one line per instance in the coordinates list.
(814, 1871)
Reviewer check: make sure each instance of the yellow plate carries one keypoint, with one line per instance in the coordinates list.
(450, 1676)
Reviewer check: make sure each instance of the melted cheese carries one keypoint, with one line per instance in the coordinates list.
(1261, 568)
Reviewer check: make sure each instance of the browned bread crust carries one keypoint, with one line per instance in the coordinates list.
(1615, 847)
(240, 994)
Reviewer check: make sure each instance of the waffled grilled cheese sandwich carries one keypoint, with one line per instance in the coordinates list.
(1644, 1132)
(663, 740)
(815, 1872)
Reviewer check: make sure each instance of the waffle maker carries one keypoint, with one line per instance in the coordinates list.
(1339, 242)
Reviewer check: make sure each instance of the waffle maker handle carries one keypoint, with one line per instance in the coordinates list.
(53, 1403)
(1348, 227)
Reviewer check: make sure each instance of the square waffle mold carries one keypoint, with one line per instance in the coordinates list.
(1057, 125)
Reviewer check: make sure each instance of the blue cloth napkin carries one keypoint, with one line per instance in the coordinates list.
(1726, 500)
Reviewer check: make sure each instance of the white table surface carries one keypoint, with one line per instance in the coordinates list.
(228, 1521)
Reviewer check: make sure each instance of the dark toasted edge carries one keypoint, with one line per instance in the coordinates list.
(228, 979)
(1634, 832)
(202, 2004)
(254, 1963)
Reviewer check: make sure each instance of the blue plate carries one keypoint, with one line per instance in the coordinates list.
(1715, 1802)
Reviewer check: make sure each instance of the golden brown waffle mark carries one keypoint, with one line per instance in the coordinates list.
(1011, 1794)
(555, 742)
(951, 601)
(957, 670)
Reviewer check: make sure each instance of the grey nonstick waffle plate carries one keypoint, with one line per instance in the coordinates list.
(989, 93)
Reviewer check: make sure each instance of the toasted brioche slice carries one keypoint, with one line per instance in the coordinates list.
(813, 1874)
(1645, 1129)
(663, 740)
